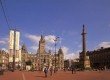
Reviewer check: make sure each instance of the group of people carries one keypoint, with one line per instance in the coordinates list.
(73, 69)
(46, 70)
(51, 70)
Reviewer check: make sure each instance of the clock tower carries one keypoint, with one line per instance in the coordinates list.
(42, 45)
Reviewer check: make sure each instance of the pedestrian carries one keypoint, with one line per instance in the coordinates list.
(54, 70)
(45, 71)
(64, 70)
(105, 68)
(99, 69)
(72, 70)
(51, 70)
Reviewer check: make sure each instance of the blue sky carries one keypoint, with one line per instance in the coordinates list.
(63, 18)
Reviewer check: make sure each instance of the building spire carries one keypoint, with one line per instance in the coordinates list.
(60, 51)
(42, 38)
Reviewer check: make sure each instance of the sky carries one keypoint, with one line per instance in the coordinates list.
(57, 18)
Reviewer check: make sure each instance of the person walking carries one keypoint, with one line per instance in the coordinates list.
(72, 70)
(54, 70)
(64, 69)
(45, 71)
(51, 70)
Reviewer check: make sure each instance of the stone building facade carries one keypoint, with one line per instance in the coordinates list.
(42, 58)
(4, 59)
(100, 58)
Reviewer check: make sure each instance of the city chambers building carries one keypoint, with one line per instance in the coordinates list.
(42, 58)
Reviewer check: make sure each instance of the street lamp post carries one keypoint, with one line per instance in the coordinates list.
(56, 38)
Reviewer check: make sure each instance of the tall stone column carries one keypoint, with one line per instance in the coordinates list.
(86, 61)
(84, 41)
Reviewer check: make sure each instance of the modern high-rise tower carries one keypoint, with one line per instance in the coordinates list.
(11, 45)
(17, 46)
(14, 39)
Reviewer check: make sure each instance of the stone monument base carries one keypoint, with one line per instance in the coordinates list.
(87, 63)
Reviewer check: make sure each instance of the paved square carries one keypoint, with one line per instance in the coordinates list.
(60, 75)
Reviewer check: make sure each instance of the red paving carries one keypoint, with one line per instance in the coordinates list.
(60, 75)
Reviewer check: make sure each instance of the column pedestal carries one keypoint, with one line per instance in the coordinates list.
(87, 63)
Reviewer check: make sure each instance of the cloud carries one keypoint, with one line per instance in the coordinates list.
(49, 45)
(68, 55)
(34, 48)
(2, 42)
(50, 39)
(73, 55)
(104, 44)
(33, 38)
(65, 50)
(6, 50)
(36, 38)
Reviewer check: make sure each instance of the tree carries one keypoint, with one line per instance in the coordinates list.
(28, 62)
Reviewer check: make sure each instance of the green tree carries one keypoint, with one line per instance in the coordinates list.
(28, 62)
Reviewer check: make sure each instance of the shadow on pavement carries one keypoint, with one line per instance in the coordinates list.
(40, 76)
